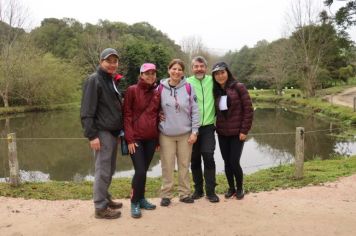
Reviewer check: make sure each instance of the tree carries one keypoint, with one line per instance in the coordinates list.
(12, 19)
(310, 42)
(44, 79)
(193, 46)
(243, 64)
(345, 16)
(275, 62)
(136, 52)
(60, 37)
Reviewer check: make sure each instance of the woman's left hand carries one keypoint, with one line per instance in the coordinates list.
(192, 138)
(243, 137)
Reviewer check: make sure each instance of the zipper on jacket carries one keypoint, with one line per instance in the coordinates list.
(202, 89)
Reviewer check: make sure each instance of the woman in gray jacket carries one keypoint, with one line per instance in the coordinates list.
(178, 131)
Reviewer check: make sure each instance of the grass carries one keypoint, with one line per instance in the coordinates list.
(23, 109)
(316, 172)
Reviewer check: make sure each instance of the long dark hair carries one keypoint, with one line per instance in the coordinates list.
(217, 90)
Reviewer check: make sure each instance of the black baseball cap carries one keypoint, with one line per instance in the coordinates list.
(108, 52)
(219, 66)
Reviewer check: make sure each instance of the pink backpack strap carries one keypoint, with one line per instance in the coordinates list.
(189, 91)
(188, 88)
(160, 88)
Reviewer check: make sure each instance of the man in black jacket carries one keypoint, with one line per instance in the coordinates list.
(101, 117)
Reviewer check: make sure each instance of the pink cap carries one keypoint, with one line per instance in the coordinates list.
(147, 66)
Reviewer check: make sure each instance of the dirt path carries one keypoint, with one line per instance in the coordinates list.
(315, 210)
(345, 98)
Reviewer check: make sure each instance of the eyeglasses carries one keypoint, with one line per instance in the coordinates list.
(112, 61)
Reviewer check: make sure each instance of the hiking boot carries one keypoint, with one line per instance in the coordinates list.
(135, 210)
(230, 193)
(187, 200)
(165, 202)
(240, 194)
(114, 205)
(107, 213)
(197, 194)
(146, 204)
(213, 198)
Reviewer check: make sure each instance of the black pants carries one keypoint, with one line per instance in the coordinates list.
(231, 150)
(141, 160)
(204, 149)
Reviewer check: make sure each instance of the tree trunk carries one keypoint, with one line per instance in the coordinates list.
(5, 99)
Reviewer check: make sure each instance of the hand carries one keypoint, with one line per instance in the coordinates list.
(158, 147)
(132, 148)
(243, 137)
(161, 116)
(192, 138)
(95, 144)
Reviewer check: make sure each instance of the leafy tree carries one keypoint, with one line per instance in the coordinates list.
(38, 78)
(12, 19)
(136, 52)
(60, 37)
(345, 15)
(243, 64)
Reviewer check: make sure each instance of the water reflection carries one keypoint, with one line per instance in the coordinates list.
(271, 143)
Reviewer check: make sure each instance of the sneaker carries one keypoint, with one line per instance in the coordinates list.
(135, 210)
(240, 194)
(114, 205)
(213, 198)
(165, 202)
(187, 200)
(230, 193)
(197, 194)
(147, 205)
(107, 213)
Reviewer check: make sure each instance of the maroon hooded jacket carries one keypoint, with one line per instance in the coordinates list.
(141, 108)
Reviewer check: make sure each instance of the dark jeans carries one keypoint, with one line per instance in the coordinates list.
(231, 150)
(141, 160)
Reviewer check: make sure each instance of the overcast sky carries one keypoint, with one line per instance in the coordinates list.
(221, 24)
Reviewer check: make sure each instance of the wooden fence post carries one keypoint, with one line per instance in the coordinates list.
(13, 162)
(299, 152)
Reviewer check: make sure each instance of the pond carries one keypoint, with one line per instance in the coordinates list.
(50, 145)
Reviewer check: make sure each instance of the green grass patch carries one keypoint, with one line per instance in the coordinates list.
(22, 109)
(315, 172)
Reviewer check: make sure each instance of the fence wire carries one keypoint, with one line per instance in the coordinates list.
(250, 134)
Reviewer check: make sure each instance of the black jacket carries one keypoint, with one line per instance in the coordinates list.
(101, 107)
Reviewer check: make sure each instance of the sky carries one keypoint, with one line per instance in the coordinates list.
(222, 25)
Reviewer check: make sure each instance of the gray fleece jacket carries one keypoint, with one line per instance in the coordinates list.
(181, 110)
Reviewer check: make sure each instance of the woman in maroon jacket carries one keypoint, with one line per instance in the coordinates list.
(141, 108)
(234, 114)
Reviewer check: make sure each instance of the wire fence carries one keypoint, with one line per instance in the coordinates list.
(291, 140)
(250, 134)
